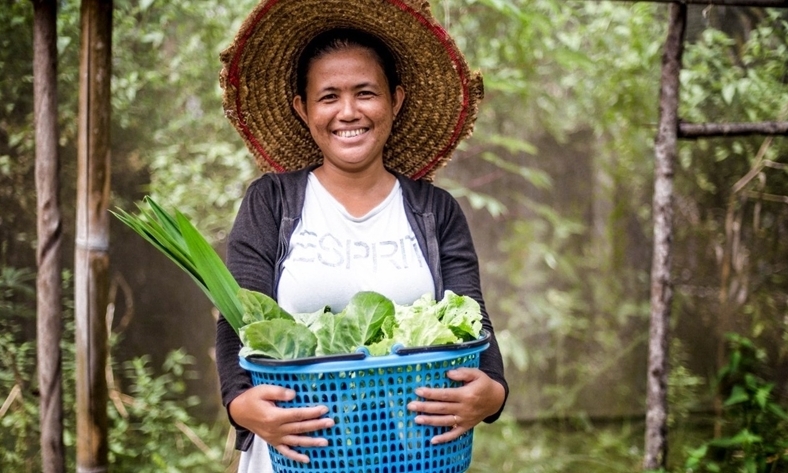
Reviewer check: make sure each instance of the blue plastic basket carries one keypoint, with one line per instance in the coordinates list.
(367, 397)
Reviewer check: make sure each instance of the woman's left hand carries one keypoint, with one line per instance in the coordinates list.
(460, 408)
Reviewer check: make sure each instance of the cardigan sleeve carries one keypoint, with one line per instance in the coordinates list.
(251, 256)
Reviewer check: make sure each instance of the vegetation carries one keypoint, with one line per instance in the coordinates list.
(557, 186)
(151, 426)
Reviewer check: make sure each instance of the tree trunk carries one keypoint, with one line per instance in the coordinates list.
(49, 235)
(91, 260)
(656, 444)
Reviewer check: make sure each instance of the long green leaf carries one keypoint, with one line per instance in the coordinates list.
(220, 283)
(182, 243)
(165, 242)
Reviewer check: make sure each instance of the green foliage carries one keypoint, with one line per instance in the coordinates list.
(755, 424)
(168, 100)
(153, 431)
(19, 411)
(151, 427)
(559, 149)
(511, 447)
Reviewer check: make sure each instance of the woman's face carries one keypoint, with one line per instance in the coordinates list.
(348, 108)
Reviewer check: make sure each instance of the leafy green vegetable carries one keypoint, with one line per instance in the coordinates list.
(369, 320)
(311, 318)
(257, 306)
(421, 330)
(278, 338)
(461, 315)
(356, 326)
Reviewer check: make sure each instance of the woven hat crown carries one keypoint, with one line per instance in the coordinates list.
(259, 81)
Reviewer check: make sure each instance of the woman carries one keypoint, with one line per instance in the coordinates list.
(348, 215)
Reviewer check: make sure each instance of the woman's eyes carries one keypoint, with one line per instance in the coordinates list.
(328, 98)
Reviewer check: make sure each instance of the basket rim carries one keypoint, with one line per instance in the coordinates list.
(400, 355)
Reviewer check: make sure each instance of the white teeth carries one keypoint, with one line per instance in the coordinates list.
(349, 133)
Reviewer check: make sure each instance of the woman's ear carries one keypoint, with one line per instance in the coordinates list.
(397, 99)
(300, 108)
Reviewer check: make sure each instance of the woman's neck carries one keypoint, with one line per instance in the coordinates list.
(359, 192)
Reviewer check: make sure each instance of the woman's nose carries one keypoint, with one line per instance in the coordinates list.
(348, 109)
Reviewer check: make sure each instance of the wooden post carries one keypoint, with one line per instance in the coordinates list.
(50, 234)
(656, 444)
(91, 259)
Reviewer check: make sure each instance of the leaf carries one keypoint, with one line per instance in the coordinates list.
(762, 395)
(421, 330)
(221, 284)
(777, 410)
(281, 339)
(382, 347)
(337, 334)
(309, 319)
(258, 306)
(368, 310)
(738, 395)
(743, 438)
(728, 90)
(461, 314)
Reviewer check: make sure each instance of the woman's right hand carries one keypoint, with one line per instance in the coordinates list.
(282, 428)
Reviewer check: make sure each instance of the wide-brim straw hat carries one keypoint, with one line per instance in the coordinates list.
(259, 81)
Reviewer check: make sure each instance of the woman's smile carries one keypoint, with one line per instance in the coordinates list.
(351, 133)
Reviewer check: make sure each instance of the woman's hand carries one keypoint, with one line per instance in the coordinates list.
(256, 410)
(459, 408)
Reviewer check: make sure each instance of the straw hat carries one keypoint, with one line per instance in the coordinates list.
(259, 81)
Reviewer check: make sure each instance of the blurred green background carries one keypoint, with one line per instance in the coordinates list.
(556, 183)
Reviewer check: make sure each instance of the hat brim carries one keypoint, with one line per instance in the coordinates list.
(258, 79)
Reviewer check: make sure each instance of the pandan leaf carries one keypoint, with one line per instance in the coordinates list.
(221, 285)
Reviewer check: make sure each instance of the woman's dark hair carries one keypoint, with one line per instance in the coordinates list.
(338, 40)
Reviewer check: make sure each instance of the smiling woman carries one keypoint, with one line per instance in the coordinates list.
(353, 104)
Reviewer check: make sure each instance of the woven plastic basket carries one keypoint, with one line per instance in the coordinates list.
(367, 397)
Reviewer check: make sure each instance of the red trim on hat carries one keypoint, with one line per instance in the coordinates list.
(235, 80)
(445, 40)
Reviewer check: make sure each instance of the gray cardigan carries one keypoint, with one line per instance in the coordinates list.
(258, 244)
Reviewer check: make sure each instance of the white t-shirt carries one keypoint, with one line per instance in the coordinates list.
(334, 255)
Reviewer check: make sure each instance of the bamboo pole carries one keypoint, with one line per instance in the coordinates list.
(91, 259)
(707, 130)
(656, 444)
(49, 325)
(726, 3)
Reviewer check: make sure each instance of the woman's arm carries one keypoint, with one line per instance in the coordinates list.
(484, 391)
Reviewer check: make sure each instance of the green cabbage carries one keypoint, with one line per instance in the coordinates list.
(370, 320)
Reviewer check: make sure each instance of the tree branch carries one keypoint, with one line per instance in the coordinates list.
(727, 3)
(706, 130)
